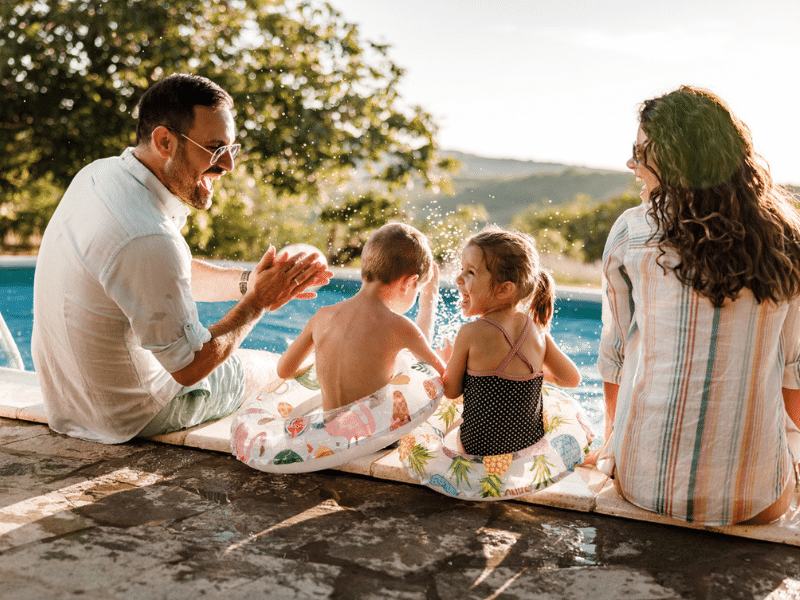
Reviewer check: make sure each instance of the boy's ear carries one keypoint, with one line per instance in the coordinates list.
(411, 280)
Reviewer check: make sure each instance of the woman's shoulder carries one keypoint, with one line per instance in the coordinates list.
(635, 225)
(634, 215)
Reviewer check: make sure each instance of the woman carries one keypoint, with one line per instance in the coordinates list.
(700, 349)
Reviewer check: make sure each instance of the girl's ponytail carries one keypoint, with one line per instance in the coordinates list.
(543, 300)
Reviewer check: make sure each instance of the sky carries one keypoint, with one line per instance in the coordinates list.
(562, 80)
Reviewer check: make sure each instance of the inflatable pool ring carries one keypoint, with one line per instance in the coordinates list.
(282, 429)
(430, 454)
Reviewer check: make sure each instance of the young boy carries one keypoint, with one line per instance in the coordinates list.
(357, 340)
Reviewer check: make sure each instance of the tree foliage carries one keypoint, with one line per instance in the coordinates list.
(578, 230)
(313, 100)
(351, 223)
(448, 232)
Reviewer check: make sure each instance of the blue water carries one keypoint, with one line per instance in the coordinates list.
(576, 326)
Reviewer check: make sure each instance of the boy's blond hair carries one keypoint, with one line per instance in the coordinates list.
(396, 250)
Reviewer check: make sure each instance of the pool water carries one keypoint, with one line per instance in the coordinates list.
(576, 326)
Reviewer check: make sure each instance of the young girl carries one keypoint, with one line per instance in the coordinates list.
(499, 361)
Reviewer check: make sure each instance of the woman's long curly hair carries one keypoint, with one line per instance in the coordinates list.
(716, 205)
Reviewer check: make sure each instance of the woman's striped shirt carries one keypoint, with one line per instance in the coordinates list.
(699, 430)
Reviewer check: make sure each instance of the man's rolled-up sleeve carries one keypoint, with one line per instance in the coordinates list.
(150, 280)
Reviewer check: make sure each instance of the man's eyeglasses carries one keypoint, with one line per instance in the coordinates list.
(215, 154)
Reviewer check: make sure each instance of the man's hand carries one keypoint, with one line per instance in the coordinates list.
(278, 279)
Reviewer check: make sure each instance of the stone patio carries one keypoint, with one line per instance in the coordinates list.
(149, 520)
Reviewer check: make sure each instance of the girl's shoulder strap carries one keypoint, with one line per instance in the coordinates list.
(500, 327)
(516, 348)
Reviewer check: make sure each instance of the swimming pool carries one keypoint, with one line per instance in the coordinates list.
(576, 324)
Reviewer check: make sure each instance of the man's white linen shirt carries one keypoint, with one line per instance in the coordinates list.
(113, 309)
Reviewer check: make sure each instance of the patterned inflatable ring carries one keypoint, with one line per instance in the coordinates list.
(430, 454)
(282, 428)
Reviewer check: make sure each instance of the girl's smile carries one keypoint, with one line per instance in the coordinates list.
(475, 283)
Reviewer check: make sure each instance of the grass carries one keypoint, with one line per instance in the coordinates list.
(569, 271)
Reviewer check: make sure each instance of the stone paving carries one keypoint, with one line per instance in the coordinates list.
(146, 520)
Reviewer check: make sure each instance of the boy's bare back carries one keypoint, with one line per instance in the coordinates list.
(356, 343)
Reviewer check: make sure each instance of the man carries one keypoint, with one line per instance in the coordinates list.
(116, 341)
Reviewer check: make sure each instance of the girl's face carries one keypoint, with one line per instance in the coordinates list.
(475, 283)
(642, 173)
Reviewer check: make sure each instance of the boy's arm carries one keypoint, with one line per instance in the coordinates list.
(558, 367)
(428, 299)
(290, 364)
(416, 342)
(453, 380)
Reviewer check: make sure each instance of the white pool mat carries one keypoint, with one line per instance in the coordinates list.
(585, 490)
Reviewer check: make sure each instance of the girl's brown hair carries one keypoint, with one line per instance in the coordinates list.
(716, 205)
(512, 256)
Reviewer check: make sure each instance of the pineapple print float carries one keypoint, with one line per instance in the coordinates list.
(431, 454)
(495, 467)
(416, 455)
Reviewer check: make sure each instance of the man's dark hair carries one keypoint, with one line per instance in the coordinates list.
(171, 101)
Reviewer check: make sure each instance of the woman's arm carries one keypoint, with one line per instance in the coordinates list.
(558, 367)
(610, 392)
(618, 307)
(791, 399)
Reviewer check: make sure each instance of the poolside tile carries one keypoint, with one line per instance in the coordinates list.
(584, 490)
(785, 530)
(390, 467)
(68, 447)
(577, 491)
(15, 430)
(362, 465)
(176, 438)
(20, 390)
(41, 528)
(34, 413)
(215, 436)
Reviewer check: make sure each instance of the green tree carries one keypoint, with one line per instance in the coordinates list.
(351, 223)
(447, 233)
(579, 230)
(314, 101)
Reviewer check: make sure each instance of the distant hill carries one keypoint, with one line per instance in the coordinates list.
(507, 186)
(473, 166)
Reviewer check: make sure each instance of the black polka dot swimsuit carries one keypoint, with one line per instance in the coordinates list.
(502, 412)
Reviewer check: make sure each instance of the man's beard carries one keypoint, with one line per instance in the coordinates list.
(183, 184)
